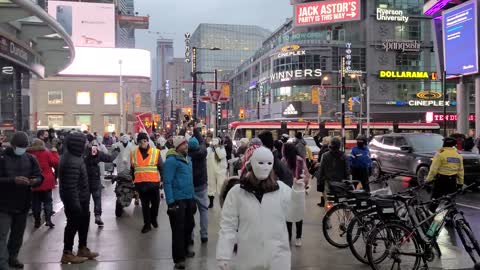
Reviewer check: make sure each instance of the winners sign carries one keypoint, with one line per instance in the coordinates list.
(325, 12)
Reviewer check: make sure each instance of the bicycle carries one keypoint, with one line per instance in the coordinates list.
(410, 245)
(348, 204)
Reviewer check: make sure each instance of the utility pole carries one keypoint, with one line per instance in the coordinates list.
(216, 104)
(342, 101)
(121, 97)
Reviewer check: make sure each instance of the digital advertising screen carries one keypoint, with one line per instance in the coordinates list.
(88, 24)
(460, 39)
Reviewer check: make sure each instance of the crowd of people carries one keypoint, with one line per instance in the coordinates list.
(260, 185)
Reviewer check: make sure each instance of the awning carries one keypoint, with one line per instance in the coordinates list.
(41, 44)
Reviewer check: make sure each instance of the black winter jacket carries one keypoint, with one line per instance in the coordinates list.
(93, 170)
(16, 198)
(282, 172)
(74, 189)
(199, 165)
(333, 167)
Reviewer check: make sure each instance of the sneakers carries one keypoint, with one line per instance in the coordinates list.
(15, 263)
(70, 258)
(146, 228)
(99, 221)
(180, 265)
(298, 242)
(86, 253)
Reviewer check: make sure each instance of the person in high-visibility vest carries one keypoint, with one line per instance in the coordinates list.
(146, 163)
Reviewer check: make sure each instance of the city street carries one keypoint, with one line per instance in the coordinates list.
(123, 247)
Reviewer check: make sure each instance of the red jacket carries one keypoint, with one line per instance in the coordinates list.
(47, 161)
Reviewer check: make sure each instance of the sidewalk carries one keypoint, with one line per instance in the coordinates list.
(123, 247)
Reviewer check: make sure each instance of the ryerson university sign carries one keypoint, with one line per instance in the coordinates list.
(391, 15)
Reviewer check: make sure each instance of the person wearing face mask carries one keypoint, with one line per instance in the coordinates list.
(180, 196)
(93, 157)
(216, 168)
(333, 167)
(19, 173)
(146, 166)
(125, 147)
(254, 216)
(360, 162)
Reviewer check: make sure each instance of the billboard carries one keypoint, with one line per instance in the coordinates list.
(88, 24)
(325, 12)
(106, 62)
(460, 36)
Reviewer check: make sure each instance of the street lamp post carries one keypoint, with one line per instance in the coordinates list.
(342, 101)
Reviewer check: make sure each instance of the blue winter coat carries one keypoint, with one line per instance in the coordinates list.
(177, 177)
(360, 158)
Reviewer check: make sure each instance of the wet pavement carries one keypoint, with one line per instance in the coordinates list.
(123, 247)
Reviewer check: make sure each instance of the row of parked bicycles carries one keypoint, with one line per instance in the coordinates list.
(394, 231)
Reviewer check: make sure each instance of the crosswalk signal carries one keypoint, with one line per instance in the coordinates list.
(350, 104)
(241, 114)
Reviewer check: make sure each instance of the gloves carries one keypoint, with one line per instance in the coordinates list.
(299, 184)
(223, 265)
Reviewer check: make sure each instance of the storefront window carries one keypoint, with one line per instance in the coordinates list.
(110, 98)
(83, 98)
(84, 121)
(111, 123)
(409, 31)
(55, 97)
(292, 93)
(55, 120)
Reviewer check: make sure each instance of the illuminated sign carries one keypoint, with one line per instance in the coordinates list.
(348, 56)
(187, 48)
(401, 45)
(418, 75)
(290, 50)
(433, 6)
(436, 117)
(391, 15)
(290, 111)
(460, 39)
(323, 12)
(429, 95)
(8, 70)
(422, 103)
(296, 74)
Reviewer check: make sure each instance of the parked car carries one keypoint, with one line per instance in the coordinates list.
(411, 154)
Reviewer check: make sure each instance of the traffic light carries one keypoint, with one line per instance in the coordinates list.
(241, 114)
(350, 104)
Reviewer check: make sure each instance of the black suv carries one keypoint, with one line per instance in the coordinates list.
(411, 154)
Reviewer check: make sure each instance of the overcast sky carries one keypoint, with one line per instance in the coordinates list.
(173, 18)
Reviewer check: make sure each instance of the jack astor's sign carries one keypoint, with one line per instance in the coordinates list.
(401, 45)
(415, 75)
(295, 74)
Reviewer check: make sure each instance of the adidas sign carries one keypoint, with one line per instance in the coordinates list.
(290, 110)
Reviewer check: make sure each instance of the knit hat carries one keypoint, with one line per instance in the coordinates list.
(256, 142)
(142, 136)
(267, 139)
(193, 144)
(178, 141)
(20, 139)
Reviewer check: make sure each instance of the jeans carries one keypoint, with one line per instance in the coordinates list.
(97, 201)
(10, 244)
(39, 198)
(299, 229)
(76, 222)
(150, 198)
(201, 199)
(181, 222)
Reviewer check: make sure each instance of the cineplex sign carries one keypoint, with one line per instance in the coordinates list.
(415, 75)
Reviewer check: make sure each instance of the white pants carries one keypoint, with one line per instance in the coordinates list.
(216, 178)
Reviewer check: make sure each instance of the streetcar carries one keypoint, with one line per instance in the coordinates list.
(253, 128)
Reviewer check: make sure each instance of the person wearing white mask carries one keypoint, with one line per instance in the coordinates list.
(254, 216)
(122, 162)
(216, 168)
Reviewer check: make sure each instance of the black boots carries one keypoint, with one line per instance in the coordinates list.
(15, 263)
(99, 221)
(211, 201)
(322, 202)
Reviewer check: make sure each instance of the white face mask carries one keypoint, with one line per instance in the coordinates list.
(215, 141)
(262, 163)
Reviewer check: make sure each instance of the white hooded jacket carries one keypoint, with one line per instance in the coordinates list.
(259, 228)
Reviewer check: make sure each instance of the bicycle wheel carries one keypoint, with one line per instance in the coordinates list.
(393, 246)
(335, 223)
(357, 234)
(468, 240)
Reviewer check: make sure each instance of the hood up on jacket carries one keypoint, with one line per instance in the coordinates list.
(75, 143)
